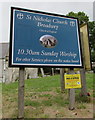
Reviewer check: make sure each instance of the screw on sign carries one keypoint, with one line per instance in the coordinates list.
(20, 16)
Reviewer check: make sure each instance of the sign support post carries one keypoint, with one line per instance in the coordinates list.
(62, 79)
(21, 92)
(71, 99)
(71, 95)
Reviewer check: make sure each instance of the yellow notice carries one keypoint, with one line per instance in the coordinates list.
(72, 81)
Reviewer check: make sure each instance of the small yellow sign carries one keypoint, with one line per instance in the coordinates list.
(72, 81)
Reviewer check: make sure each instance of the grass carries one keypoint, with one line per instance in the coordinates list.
(32, 103)
(81, 106)
(45, 95)
(42, 84)
(47, 102)
(43, 98)
(90, 80)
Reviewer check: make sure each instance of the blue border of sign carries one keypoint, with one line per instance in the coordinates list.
(46, 54)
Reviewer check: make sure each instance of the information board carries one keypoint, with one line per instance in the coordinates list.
(44, 39)
(72, 81)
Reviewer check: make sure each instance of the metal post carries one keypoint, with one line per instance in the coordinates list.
(71, 99)
(71, 95)
(62, 79)
(21, 92)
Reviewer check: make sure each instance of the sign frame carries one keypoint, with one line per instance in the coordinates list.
(11, 54)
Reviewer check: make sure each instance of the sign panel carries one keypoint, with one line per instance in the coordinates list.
(44, 39)
(72, 81)
(85, 46)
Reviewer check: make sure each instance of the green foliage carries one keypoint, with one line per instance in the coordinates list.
(83, 18)
(92, 39)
